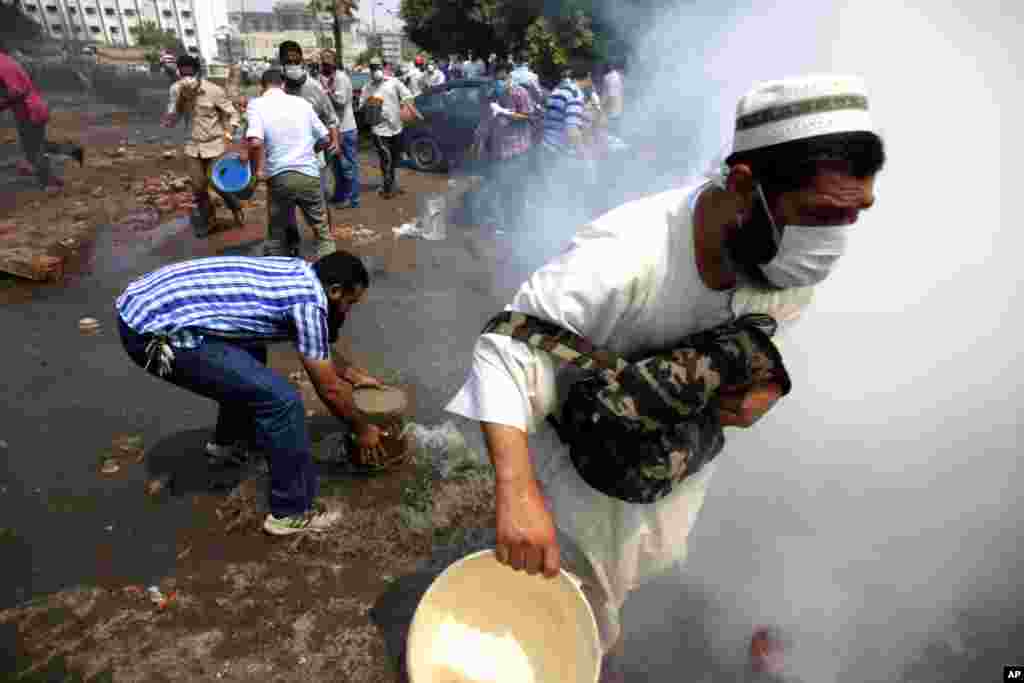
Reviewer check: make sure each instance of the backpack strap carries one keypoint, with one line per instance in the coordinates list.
(564, 345)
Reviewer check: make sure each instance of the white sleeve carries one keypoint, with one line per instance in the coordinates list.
(254, 121)
(591, 289)
(319, 129)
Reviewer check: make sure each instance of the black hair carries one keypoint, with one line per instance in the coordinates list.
(793, 165)
(271, 77)
(342, 268)
(283, 48)
(188, 60)
(502, 66)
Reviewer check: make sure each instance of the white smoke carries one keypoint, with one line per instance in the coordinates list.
(881, 496)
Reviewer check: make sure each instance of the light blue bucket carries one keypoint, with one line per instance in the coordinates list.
(231, 175)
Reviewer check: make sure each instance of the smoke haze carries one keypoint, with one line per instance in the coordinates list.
(877, 509)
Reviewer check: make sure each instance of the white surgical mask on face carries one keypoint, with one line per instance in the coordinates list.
(807, 253)
(294, 72)
(377, 74)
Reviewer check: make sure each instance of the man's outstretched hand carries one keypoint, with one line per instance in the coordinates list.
(744, 408)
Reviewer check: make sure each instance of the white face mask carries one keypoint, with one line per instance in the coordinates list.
(377, 74)
(295, 72)
(807, 253)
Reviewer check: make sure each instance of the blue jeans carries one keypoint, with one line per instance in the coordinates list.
(346, 169)
(254, 401)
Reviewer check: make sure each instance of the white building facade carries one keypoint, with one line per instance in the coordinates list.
(109, 22)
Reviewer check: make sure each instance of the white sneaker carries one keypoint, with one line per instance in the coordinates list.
(319, 518)
(234, 455)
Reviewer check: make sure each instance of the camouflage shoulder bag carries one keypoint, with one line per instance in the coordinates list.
(635, 430)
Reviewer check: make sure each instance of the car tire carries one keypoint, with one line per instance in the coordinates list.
(426, 154)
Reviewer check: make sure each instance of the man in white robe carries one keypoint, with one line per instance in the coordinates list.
(637, 280)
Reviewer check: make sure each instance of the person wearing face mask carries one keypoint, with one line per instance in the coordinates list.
(504, 139)
(635, 281)
(432, 77)
(338, 86)
(213, 122)
(383, 100)
(298, 82)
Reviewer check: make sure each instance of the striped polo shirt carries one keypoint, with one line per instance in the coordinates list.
(255, 299)
(564, 110)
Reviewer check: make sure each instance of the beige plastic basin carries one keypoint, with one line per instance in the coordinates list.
(482, 622)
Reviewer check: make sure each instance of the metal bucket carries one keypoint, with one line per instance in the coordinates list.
(483, 621)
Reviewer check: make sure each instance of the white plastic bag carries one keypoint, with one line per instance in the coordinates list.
(442, 447)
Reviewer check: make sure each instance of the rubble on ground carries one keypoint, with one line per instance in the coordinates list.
(359, 236)
(168, 192)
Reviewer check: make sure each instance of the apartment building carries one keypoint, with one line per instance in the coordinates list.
(262, 32)
(110, 21)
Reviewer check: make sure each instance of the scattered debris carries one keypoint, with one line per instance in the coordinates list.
(69, 243)
(109, 527)
(167, 192)
(158, 484)
(184, 553)
(158, 598)
(431, 223)
(358, 236)
(110, 466)
(89, 326)
(168, 155)
(8, 227)
(130, 446)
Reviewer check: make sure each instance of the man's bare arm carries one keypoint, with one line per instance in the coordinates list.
(525, 528)
(745, 409)
(255, 147)
(336, 394)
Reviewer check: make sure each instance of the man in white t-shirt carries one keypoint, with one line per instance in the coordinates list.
(612, 97)
(636, 281)
(382, 101)
(287, 131)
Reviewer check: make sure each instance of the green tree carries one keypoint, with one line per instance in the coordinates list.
(341, 10)
(148, 35)
(369, 53)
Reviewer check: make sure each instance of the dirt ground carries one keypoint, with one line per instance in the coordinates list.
(239, 605)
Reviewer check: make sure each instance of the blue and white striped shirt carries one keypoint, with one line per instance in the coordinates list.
(564, 110)
(256, 299)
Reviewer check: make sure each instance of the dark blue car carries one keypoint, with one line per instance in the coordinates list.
(451, 112)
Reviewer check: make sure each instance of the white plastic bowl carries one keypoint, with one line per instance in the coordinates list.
(483, 622)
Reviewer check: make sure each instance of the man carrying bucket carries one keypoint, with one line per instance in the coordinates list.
(204, 326)
(214, 122)
(637, 280)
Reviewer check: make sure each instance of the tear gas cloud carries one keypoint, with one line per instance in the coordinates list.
(876, 510)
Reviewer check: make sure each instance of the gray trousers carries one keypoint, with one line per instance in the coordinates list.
(286, 192)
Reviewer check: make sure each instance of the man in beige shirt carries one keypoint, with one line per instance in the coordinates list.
(214, 122)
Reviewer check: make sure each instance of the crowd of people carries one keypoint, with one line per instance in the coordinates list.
(541, 146)
(771, 224)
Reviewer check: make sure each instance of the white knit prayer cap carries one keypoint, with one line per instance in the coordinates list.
(796, 108)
